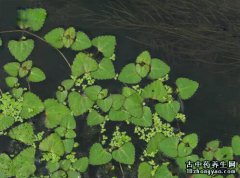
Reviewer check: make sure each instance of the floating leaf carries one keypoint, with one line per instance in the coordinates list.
(105, 70)
(186, 87)
(79, 104)
(81, 42)
(73, 174)
(153, 144)
(181, 161)
(5, 122)
(145, 120)
(125, 154)
(52, 166)
(98, 155)
(158, 69)
(81, 164)
(105, 44)
(133, 104)
(36, 75)
(69, 37)
(32, 105)
(11, 81)
(155, 90)
(12, 68)
(59, 173)
(168, 111)
(5, 166)
(105, 104)
(127, 91)
(68, 145)
(52, 144)
(144, 58)
(23, 133)
(163, 172)
(118, 101)
(21, 49)
(67, 84)
(145, 170)
(184, 150)
(82, 64)
(129, 75)
(31, 18)
(169, 146)
(17, 92)
(94, 118)
(236, 145)
(67, 120)
(191, 140)
(224, 153)
(213, 145)
(25, 68)
(55, 37)
(70, 134)
(118, 115)
(92, 92)
(61, 95)
(142, 70)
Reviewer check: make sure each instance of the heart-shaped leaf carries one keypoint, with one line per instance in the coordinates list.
(69, 37)
(98, 155)
(105, 104)
(11, 81)
(5, 122)
(186, 87)
(125, 154)
(81, 42)
(236, 145)
(184, 150)
(191, 140)
(118, 115)
(12, 68)
(36, 75)
(144, 58)
(94, 118)
(158, 69)
(129, 74)
(145, 120)
(55, 37)
(105, 44)
(105, 70)
(145, 170)
(168, 111)
(133, 105)
(169, 146)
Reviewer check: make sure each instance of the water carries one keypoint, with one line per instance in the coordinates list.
(213, 112)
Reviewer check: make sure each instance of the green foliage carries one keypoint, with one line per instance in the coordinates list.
(129, 75)
(125, 154)
(54, 37)
(36, 75)
(81, 42)
(235, 145)
(169, 146)
(5, 122)
(186, 87)
(168, 111)
(98, 155)
(105, 44)
(12, 68)
(94, 118)
(158, 69)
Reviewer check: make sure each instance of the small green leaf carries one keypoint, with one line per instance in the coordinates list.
(145, 120)
(191, 140)
(144, 58)
(52, 166)
(158, 69)
(92, 92)
(118, 101)
(81, 164)
(163, 172)
(12, 68)
(36, 75)
(11, 81)
(213, 145)
(142, 70)
(125, 154)
(1, 42)
(181, 161)
(81, 42)
(55, 37)
(186, 87)
(105, 44)
(133, 105)
(98, 155)
(119, 115)
(168, 111)
(31, 18)
(144, 170)
(127, 91)
(169, 146)
(68, 145)
(224, 153)
(67, 84)
(5, 165)
(61, 95)
(129, 75)
(69, 37)
(153, 144)
(105, 104)
(17, 92)
(94, 118)
(236, 145)
(82, 64)
(5, 122)
(21, 49)
(184, 150)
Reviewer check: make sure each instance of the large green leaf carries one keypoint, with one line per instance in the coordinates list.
(105, 70)
(5, 122)
(168, 111)
(129, 74)
(145, 120)
(98, 155)
(32, 105)
(31, 18)
(79, 104)
(236, 145)
(81, 42)
(155, 90)
(23, 133)
(125, 154)
(11, 81)
(21, 49)
(169, 146)
(142, 70)
(81, 164)
(5, 166)
(105, 104)
(82, 64)
(118, 115)
(133, 104)
(144, 170)
(158, 69)
(36, 75)
(163, 172)
(105, 44)
(186, 87)
(118, 101)
(55, 37)
(94, 118)
(12, 68)
(153, 144)
(68, 145)
(52, 144)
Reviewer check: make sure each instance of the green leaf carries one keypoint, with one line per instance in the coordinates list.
(31, 18)
(52, 144)
(145, 120)
(163, 172)
(155, 91)
(82, 64)
(79, 104)
(12, 68)
(129, 75)
(21, 49)
(70, 134)
(5, 122)
(61, 96)
(153, 144)
(127, 91)
(92, 92)
(144, 58)
(25, 68)
(118, 115)
(11, 81)
(81, 164)
(144, 170)
(118, 101)
(69, 37)
(73, 174)
(32, 105)
(186, 87)
(94, 118)
(59, 173)
(184, 150)
(1, 42)
(67, 84)
(213, 145)
(65, 164)
(169, 146)
(81, 42)
(36, 75)
(142, 70)
(158, 69)
(105, 104)
(181, 161)
(105, 70)
(236, 145)
(52, 166)
(208, 155)
(98, 155)
(168, 111)
(68, 145)
(191, 140)
(67, 120)
(55, 37)
(224, 153)
(105, 44)
(23, 133)
(5, 165)
(133, 105)
(17, 92)
(125, 154)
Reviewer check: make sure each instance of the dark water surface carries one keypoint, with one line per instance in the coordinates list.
(213, 112)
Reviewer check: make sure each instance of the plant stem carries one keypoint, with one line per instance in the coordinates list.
(123, 176)
(40, 38)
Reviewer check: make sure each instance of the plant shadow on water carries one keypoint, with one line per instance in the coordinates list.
(213, 113)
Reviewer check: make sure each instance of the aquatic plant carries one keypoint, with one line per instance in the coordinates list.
(143, 112)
